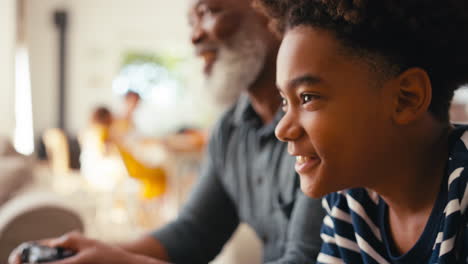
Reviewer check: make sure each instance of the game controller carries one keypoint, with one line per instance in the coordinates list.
(34, 253)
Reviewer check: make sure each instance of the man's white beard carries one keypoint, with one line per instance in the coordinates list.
(237, 66)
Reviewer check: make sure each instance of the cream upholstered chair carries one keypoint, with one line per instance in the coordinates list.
(57, 149)
(34, 216)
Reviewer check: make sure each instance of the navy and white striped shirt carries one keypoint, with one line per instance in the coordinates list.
(355, 229)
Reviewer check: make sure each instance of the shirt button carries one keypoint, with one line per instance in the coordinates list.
(259, 180)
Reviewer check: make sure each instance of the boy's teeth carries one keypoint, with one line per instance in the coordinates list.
(302, 159)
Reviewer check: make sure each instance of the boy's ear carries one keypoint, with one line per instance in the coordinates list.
(413, 95)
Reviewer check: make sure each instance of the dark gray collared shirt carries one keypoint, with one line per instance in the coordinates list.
(247, 176)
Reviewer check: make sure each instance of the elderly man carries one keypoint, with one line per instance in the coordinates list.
(247, 175)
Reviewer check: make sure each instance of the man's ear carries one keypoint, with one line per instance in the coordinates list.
(413, 95)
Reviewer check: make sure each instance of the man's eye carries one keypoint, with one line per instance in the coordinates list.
(205, 10)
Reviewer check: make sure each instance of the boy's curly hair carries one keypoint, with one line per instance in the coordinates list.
(430, 34)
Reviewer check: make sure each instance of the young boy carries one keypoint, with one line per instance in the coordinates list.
(367, 86)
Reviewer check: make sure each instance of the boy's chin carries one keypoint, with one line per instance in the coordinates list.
(312, 188)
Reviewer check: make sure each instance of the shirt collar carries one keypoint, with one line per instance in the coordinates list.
(245, 115)
(243, 109)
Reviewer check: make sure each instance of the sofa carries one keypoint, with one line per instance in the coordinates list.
(26, 213)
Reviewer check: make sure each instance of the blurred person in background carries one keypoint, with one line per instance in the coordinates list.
(247, 175)
(97, 134)
(100, 161)
(125, 123)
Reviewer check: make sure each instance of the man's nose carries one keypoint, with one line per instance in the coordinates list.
(198, 34)
(288, 128)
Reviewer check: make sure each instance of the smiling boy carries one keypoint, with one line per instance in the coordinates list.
(366, 88)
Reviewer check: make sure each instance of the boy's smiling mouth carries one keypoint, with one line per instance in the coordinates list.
(302, 159)
(306, 163)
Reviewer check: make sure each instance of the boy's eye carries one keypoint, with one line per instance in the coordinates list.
(284, 103)
(306, 98)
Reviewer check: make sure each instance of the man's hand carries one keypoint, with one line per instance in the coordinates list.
(90, 252)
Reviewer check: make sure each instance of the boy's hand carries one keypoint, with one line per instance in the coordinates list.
(90, 252)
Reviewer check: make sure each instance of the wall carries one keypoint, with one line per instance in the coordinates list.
(7, 44)
(99, 31)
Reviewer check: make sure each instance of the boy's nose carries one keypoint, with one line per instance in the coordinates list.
(287, 130)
